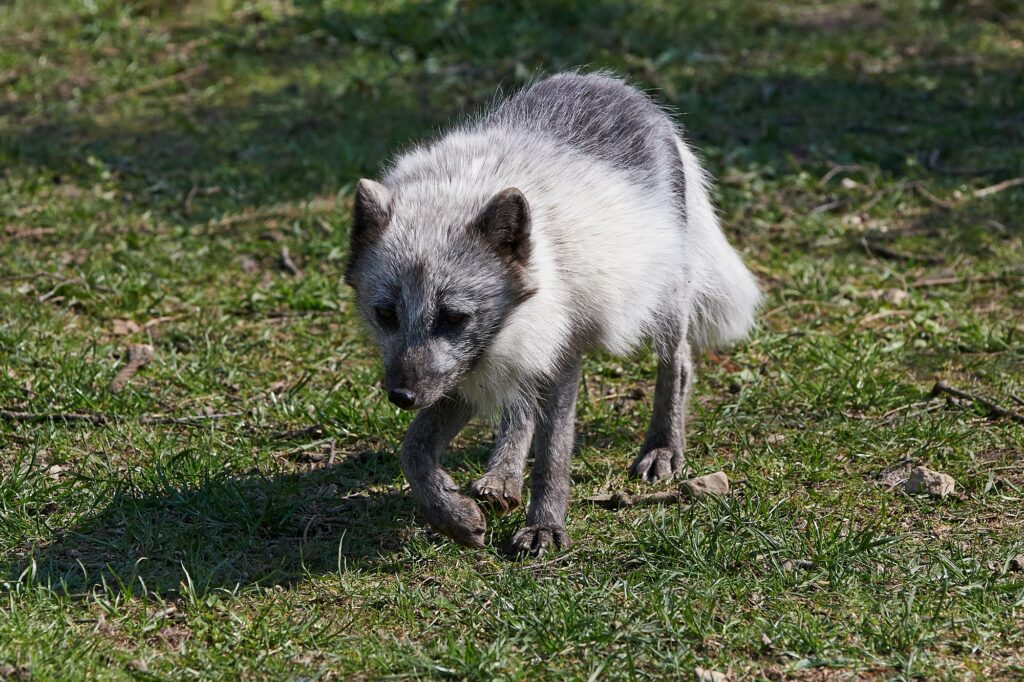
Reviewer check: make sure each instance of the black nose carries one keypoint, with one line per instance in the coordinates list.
(402, 397)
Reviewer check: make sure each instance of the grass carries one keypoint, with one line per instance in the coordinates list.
(155, 157)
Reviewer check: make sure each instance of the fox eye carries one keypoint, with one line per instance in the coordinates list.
(386, 317)
(455, 318)
(451, 320)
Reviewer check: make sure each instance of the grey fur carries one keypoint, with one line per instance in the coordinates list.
(502, 485)
(437, 496)
(603, 116)
(663, 453)
(571, 217)
(679, 185)
(473, 277)
(550, 480)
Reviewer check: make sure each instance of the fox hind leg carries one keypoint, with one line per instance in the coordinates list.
(663, 454)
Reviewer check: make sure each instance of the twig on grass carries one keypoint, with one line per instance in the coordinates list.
(284, 314)
(828, 206)
(800, 302)
(941, 203)
(880, 194)
(188, 199)
(976, 194)
(193, 193)
(19, 416)
(28, 232)
(314, 431)
(946, 281)
(288, 264)
(187, 74)
(558, 559)
(190, 420)
(918, 186)
(303, 452)
(839, 168)
(621, 499)
(892, 254)
(43, 298)
(998, 187)
(280, 211)
(868, 319)
(100, 419)
(29, 276)
(139, 355)
(994, 409)
(924, 405)
(933, 165)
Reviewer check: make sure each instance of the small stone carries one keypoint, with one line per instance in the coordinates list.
(705, 675)
(9, 672)
(138, 664)
(1017, 563)
(716, 483)
(54, 471)
(775, 439)
(618, 372)
(125, 327)
(895, 296)
(924, 480)
(849, 183)
(621, 499)
(766, 640)
(249, 265)
(797, 564)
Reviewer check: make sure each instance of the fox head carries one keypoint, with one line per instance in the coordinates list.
(435, 286)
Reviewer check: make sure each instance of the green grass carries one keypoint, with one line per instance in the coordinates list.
(156, 156)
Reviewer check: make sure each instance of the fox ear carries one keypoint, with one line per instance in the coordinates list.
(504, 223)
(371, 214)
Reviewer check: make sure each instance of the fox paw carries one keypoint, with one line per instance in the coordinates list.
(655, 466)
(459, 518)
(538, 540)
(502, 493)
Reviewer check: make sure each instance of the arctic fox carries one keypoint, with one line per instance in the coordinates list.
(569, 218)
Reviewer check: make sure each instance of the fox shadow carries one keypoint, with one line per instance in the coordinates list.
(248, 529)
(260, 528)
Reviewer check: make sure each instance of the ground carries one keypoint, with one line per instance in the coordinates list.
(236, 510)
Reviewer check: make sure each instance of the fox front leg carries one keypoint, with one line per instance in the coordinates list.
(436, 494)
(502, 486)
(550, 479)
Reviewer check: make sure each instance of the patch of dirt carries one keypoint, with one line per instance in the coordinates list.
(1001, 455)
(896, 475)
(173, 636)
(824, 675)
(835, 20)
